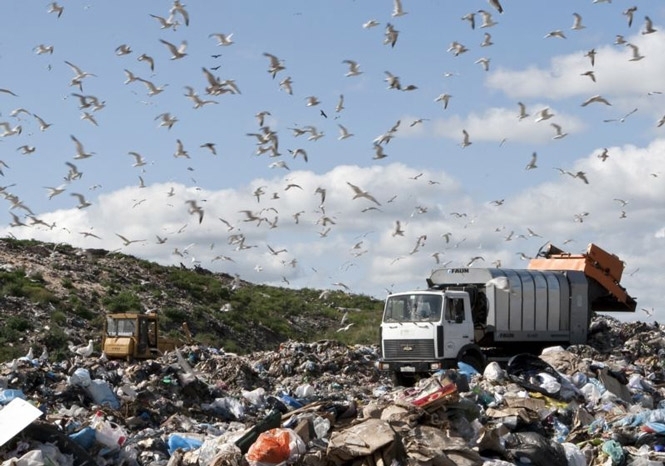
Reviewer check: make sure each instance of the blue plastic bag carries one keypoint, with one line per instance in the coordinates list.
(9, 394)
(84, 437)
(184, 443)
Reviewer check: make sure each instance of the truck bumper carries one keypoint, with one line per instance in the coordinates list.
(415, 367)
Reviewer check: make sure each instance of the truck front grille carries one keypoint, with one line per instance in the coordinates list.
(408, 349)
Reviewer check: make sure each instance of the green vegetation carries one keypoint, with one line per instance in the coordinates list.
(248, 318)
(16, 283)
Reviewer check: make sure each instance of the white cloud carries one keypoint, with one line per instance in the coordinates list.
(497, 124)
(386, 260)
(615, 73)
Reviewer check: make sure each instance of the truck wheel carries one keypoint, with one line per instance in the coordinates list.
(474, 361)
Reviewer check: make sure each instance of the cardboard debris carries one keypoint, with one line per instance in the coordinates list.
(16, 416)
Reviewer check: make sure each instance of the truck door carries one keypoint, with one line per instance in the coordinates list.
(457, 323)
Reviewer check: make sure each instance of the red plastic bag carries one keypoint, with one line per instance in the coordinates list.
(275, 446)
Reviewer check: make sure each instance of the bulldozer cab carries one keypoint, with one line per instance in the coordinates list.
(132, 336)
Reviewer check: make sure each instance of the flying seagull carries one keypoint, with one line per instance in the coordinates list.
(361, 193)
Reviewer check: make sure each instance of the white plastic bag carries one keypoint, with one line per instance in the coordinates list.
(493, 372)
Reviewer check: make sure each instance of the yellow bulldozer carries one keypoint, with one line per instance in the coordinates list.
(136, 336)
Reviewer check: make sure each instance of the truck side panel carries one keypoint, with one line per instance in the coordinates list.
(528, 301)
(579, 307)
(541, 295)
(535, 306)
(515, 302)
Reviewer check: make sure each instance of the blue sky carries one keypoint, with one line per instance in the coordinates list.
(425, 176)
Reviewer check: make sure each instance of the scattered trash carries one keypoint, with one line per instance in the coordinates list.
(326, 403)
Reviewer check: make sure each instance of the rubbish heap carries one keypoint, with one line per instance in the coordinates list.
(325, 404)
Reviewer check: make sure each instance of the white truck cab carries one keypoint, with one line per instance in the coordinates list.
(424, 331)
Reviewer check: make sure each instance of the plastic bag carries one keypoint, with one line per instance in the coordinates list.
(493, 372)
(256, 397)
(107, 433)
(9, 394)
(574, 455)
(80, 377)
(183, 442)
(305, 391)
(102, 393)
(275, 446)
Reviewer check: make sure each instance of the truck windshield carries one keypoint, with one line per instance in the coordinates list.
(119, 327)
(413, 308)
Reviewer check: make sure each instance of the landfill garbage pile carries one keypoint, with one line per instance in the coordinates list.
(325, 403)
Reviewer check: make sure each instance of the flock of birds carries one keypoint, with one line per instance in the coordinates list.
(268, 141)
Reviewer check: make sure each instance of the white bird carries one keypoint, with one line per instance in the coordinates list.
(312, 101)
(41, 49)
(648, 26)
(445, 98)
(152, 89)
(26, 149)
(54, 191)
(140, 161)
(180, 150)
(55, 8)
(222, 39)
(9, 131)
(487, 19)
(176, 52)
(82, 202)
(465, 141)
(487, 41)
(456, 48)
(370, 24)
(83, 350)
(390, 36)
(379, 152)
(523, 113)
(354, 69)
(179, 8)
(532, 164)
(276, 64)
(127, 242)
(361, 193)
(471, 18)
(597, 99)
(343, 132)
(557, 33)
(496, 4)
(559, 133)
(345, 328)
(285, 84)
(485, 62)
(29, 356)
(131, 77)
(577, 22)
(636, 52)
(629, 14)
(43, 126)
(148, 59)
(397, 9)
(501, 283)
(167, 120)
(80, 151)
(166, 23)
(544, 114)
(123, 49)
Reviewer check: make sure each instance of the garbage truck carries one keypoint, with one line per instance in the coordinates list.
(476, 315)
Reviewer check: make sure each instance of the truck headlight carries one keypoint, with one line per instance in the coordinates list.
(435, 366)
